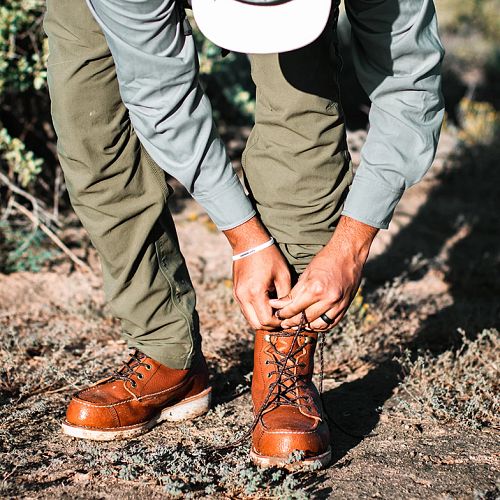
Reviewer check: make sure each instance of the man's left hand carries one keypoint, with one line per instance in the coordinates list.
(331, 280)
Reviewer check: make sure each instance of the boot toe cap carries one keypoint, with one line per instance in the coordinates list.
(283, 442)
(81, 413)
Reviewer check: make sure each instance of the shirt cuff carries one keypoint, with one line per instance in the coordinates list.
(229, 206)
(371, 202)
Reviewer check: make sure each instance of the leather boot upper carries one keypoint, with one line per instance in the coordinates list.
(292, 417)
(135, 394)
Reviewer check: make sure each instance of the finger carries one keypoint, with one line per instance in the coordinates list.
(312, 313)
(336, 314)
(282, 302)
(287, 298)
(302, 301)
(250, 314)
(264, 311)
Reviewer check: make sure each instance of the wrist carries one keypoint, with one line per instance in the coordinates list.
(352, 237)
(248, 235)
(253, 250)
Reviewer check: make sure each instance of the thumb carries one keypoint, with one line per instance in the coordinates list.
(282, 302)
(288, 298)
(283, 285)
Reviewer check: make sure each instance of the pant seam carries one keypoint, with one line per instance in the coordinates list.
(174, 302)
(160, 177)
(249, 147)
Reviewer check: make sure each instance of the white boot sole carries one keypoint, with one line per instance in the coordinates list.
(184, 410)
(308, 463)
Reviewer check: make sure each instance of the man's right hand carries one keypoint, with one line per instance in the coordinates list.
(259, 275)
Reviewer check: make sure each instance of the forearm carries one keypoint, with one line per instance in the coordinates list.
(351, 238)
(246, 236)
(331, 280)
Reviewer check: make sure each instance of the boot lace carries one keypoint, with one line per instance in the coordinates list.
(284, 390)
(130, 366)
(286, 382)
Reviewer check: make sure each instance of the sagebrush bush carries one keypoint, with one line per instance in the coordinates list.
(457, 386)
(469, 16)
(480, 122)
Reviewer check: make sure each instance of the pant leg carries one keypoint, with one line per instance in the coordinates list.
(117, 191)
(297, 167)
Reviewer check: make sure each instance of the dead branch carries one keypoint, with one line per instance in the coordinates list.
(37, 205)
(57, 241)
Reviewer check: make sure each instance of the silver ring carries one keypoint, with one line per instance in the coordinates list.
(327, 320)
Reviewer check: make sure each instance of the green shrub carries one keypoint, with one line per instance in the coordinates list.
(23, 57)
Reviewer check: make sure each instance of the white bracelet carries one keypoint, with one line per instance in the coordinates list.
(256, 249)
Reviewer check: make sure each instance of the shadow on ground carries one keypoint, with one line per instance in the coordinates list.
(462, 214)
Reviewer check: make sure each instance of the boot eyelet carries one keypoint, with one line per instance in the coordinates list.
(266, 362)
(269, 375)
(140, 376)
(149, 367)
(133, 384)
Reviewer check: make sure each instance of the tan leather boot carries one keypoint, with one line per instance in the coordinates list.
(291, 413)
(140, 395)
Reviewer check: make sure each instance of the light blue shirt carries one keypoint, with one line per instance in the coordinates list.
(397, 56)
(157, 70)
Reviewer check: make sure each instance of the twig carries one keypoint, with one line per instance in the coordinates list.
(8, 209)
(35, 203)
(57, 188)
(53, 237)
(44, 392)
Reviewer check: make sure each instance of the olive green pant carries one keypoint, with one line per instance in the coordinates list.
(296, 169)
(296, 163)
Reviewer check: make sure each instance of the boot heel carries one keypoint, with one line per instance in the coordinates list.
(188, 408)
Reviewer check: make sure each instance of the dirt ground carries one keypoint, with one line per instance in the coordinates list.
(414, 367)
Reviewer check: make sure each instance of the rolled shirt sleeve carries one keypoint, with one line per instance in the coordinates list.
(157, 70)
(397, 56)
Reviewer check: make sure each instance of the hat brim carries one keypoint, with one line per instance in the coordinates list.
(261, 29)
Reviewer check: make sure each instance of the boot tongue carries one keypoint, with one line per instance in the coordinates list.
(283, 343)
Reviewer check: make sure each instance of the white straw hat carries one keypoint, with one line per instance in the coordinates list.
(261, 26)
